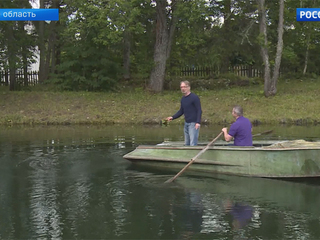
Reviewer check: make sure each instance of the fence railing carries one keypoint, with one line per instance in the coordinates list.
(240, 70)
(32, 78)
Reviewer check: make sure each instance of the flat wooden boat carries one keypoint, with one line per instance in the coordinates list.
(270, 159)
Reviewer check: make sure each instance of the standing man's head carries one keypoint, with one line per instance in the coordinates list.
(185, 88)
(237, 111)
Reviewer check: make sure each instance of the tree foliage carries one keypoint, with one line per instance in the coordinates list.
(17, 43)
(97, 44)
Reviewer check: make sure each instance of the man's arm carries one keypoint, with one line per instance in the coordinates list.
(178, 114)
(227, 137)
(197, 105)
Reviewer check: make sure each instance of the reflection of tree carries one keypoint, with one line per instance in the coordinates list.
(190, 214)
(45, 216)
(185, 213)
(213, 217)
(13, 219)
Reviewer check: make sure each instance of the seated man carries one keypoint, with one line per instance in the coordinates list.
(240, 130)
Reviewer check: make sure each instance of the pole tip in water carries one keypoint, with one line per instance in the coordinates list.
(169, 180)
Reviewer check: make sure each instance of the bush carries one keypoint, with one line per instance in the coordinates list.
(223, 81)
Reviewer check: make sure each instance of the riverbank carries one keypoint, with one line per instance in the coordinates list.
(297, 102)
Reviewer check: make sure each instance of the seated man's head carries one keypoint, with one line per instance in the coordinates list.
(237, 111)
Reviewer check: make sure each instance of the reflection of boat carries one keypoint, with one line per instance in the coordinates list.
(286, 207)
(291, 195)
(287, 159)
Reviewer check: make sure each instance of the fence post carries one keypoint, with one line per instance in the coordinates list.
(249, 71)
(6, 77)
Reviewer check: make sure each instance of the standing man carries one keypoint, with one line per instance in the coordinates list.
(240, 130)
(191, 109)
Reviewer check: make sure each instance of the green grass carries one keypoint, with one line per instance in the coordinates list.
(296, 102)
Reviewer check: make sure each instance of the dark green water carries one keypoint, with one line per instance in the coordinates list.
(72, 183)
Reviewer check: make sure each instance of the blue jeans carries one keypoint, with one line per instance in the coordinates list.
(191, 134)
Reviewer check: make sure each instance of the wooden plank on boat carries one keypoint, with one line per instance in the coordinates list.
(202, 161)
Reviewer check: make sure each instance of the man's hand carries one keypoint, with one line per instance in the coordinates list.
(169, 119)
(227, 137)
(197, 126)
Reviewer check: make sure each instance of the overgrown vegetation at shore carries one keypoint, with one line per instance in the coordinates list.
(297, 102)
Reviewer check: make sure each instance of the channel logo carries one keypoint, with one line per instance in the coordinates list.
(308, 14)
(17, 14)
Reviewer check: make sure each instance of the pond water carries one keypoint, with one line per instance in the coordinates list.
(71, 182)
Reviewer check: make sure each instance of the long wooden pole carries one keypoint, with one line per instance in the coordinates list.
(192, 160)
(262, 133)
(202, 151)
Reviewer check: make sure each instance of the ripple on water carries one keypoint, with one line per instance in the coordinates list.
(148, 179)
(44, 163)
(45, 216)
(41, 161)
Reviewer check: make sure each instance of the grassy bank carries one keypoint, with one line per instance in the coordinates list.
(297, 102)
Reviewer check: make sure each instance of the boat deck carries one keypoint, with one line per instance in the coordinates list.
(261, 143)
(257, 145)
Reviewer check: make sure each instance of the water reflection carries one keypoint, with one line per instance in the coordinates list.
(74, 184)
(241, 213)
(278, 209)
(188, 212)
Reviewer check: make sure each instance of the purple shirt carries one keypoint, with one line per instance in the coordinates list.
(242, 213)
(240, 130)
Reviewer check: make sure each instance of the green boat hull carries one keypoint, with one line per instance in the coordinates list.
(290, 162)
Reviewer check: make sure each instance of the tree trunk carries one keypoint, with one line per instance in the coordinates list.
(25, 70)
(12, 77)
(57, 50)
(276, 71)
(226, 32)
(53, 57)
(126, 55)
(12, 59)
(56, 46)
(6, 78)
(270, 85)
(307, 56)
(162, 49)
(306, 59)
(24, 51)
(264, 47)
(50, 50)
(172, 28)
(54, 38)
(41, 46)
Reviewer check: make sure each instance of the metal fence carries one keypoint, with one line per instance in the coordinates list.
(32, 78)
(240, 70)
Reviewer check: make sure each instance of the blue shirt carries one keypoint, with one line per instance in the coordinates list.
(191, 108)
(240, 130)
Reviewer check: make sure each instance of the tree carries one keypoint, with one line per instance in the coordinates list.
(270, 84)
(165, 28)
(192, 43)
(48, 41)
(128, 18)
(309, 29)
(17, 44)
(227, 31)
(91, 58)
(228, 35)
